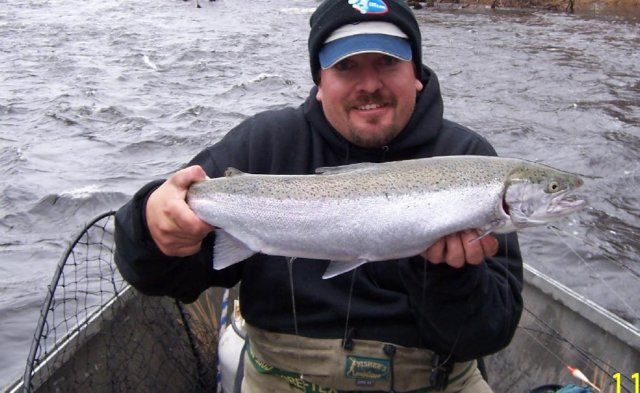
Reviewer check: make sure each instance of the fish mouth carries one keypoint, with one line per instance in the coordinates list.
(550, 208)
(565, 204)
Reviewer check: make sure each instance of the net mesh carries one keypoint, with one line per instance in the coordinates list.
(98, 334)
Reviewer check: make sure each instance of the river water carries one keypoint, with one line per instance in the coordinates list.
(99, 96)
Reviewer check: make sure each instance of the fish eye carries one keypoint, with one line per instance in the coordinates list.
(553, 186)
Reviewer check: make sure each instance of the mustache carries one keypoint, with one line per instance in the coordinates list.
(376, 97)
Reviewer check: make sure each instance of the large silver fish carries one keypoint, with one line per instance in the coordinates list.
(361, 213)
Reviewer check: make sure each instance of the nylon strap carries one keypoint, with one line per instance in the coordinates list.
(297, 381)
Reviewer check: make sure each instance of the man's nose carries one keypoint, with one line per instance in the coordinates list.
(369, 80)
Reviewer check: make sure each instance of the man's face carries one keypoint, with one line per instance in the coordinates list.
(369, 98)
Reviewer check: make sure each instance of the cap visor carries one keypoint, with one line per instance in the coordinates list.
(334, 51)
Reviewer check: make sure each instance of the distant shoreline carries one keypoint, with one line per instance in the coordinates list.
(632, 6)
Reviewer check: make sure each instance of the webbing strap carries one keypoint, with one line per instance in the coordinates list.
(297, 380)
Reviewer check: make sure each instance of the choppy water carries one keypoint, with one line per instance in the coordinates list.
(98, 97)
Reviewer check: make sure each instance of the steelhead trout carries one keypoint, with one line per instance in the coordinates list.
(367, 212)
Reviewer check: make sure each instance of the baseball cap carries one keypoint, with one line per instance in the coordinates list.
(364, 37)
(332, 15)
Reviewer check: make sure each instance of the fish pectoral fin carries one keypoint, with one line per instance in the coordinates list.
(519, 218)
(491, 227)
(228, 250)
(482, 234)
(336, 268)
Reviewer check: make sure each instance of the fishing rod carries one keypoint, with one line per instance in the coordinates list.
(596, 362)
(594, 246)
(557, 232)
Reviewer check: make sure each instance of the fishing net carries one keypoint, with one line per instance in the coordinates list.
(98, 334)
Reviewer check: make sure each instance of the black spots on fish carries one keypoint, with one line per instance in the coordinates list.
(527, 174)
(317, 190)
(241, 188)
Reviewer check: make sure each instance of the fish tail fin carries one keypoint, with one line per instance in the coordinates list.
(228, 250)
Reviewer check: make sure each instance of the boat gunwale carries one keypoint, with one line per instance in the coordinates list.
(587, 309)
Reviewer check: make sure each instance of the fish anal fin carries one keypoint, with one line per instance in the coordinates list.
(228, 250)
(336, 268)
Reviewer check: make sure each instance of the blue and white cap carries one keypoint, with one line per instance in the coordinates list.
(364, 37)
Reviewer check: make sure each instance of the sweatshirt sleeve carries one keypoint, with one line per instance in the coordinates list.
(147, 269)
(468, 312)
(245, 147)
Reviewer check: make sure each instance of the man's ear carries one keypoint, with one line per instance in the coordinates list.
(319, 92)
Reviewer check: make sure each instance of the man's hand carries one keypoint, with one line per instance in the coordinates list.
(174, 227)
(460, 248)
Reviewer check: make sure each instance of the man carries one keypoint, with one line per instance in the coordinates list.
(412, 325)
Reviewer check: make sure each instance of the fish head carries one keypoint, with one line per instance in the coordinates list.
(536, 195)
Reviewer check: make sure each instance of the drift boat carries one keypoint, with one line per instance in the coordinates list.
(98, 334)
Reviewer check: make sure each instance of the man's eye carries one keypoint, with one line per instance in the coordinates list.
(343, 65)
(389, 60)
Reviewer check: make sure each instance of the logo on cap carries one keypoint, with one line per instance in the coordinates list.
(370, 6)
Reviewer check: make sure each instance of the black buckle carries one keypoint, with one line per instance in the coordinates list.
(440, 370)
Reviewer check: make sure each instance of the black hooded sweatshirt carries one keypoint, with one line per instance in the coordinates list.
(466, 313)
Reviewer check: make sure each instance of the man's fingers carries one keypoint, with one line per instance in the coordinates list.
(435, 253)
(473, 249)
(174, 227)
(185, 177)
(185, 220)
(462, 248)
(455, 252)
(490, 245)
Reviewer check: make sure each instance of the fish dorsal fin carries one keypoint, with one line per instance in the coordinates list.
(228, 250)
(332, 170)
(336, 268)
(230, 172)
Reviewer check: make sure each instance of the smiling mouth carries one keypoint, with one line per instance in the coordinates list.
(369, 107)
